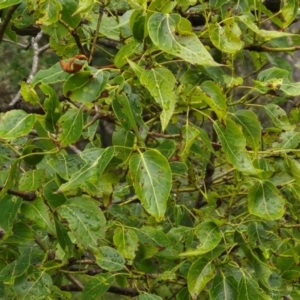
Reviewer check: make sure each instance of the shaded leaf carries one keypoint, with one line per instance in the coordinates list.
(223, 288)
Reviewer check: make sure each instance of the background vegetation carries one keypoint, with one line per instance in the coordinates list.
(149, 150)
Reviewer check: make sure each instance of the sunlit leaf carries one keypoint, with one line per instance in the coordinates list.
(152, 180)
(110, 259)
(265, 201)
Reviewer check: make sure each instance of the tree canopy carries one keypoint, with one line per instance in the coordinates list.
(149, 149)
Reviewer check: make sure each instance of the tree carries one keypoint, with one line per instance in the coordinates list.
(195, 193)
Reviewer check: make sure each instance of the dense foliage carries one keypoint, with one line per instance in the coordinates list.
(170, 171)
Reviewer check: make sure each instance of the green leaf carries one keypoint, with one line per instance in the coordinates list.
(265, 201)
(16, 123)
(265, 34)
(126, 52)
(53, 75)
(63, 237)
(186, 45)
(146, 296)
(9, 207)
(32, 155)
(110, 259)
(123, 141)
(16, 268)
(96, 161)
(8, 3)
(250, 125)
(248, 289)
(85, 220)
(200, 273)
(278, 116)
(32, 180)
(209, 235)
(289, 11)
(38, 212)
(53, 199)
(189, 135)
(71, 124)
(290, 88)
(234, 144)
(223, 288)
(152, 181)
(126, 242)
(124, 112)
(287, 140)
(215, 98)
(160, 82)
(294, 169)
(167, 148)
(97, 286)
(226, 38)
(52, 107)
(29, 94)
(84, 6)
(50, 12)
(34, 285)
(86, 86)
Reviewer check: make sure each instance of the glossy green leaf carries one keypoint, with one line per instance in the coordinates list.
(152, 181)
(126, 242)
(9, 207)
(226, 38)
(85, 86)
(16, 268)
(278, 117)
(167, 148)
(215, 98)
(250, 126)
(187, 46)
(97, 286)
(53, 199)
(290, 88)
(160, 82)
(71, 124)
(16, 123)
(110, 259)
(29, 94)
(223, 288)
(123, 141)
(32, 180)
(200, 273)
(33, 285)
(265, 201)
(96, 161)
(52, 75)
(234, 145)
(85, 220)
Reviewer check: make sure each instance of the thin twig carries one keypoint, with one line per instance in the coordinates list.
(34, 67)
(96, 35)
(6, 20)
